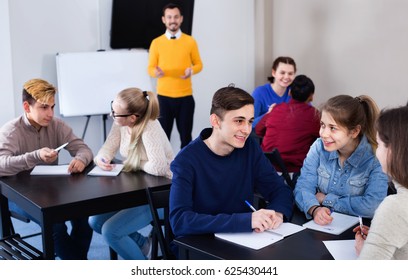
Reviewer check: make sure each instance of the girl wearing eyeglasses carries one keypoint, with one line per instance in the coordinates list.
(141, 141)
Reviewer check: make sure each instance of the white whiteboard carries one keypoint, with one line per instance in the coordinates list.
(89, 81)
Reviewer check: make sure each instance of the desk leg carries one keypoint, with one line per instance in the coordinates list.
(47, 240)
(5, 226)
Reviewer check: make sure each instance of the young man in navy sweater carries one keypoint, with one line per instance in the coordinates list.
(216, 173)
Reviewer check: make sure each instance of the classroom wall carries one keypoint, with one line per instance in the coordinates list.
(40, 29)
(6, 85)
(349, 46)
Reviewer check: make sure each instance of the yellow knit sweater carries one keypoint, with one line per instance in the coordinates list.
(174, 57)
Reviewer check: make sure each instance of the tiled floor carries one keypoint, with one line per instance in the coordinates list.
(99, 250)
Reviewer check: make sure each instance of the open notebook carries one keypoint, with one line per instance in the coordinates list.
(340, 223)
(259, 240)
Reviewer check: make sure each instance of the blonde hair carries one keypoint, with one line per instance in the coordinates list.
(38, 90)
(145, 105)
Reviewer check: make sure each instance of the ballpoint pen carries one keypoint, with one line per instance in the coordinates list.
(61, 147)
(361, 224)
(250, 206)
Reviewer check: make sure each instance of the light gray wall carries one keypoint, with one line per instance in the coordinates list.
(347, 47)
(6, 85)
(40, 29)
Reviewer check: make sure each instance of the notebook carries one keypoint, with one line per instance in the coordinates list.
(97, 171)
(340, 223)
(258, 240)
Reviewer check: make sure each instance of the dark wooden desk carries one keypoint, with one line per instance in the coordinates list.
(51, 199)
(304, 245)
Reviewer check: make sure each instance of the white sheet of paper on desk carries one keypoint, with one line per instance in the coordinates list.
(341, 249)
(259, 240)
(50, 170)
(286, 229)
(254, 240)
(340, 223)
(97, 171)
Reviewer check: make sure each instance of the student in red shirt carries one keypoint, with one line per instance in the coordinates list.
(292, 127)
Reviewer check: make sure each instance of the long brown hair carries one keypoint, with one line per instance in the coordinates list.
(392, 127)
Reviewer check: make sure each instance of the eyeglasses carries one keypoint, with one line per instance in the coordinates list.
(114, 115)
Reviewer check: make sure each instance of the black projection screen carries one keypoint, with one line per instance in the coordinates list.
(135, 23)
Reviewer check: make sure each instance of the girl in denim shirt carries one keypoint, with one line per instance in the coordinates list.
(340, 172)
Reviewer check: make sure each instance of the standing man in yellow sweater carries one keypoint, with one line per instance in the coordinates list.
(173, 59)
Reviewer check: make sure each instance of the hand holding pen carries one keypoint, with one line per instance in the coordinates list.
(105, 164)
(322, 215)
(361, 230)
(264, 219)
(360, 236)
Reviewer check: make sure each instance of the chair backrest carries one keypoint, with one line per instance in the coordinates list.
(391, 188)
(276, 159)
(158, 198)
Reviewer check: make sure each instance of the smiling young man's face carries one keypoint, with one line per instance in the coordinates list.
(172, 19)
(235, 127)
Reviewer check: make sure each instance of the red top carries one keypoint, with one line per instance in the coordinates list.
(292, 128)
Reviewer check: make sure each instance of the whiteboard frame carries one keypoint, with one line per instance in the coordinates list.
(89, 81)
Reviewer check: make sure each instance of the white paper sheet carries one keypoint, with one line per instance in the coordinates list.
(97, 171)
(252, 240)
(341, 249)
(259, 240)
(50, 170)
(287, 229)
(340, 223)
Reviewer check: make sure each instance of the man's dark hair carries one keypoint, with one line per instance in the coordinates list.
(228, 99)
(172, 6)
(302, 88)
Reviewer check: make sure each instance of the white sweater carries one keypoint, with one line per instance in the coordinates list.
(388, 234)
(157, 153)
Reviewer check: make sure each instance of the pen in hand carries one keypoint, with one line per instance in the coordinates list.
(250, 206)
(61, 147)
(361, 224)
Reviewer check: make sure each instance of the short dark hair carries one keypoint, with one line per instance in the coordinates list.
(172, 6)
(228, 99)
(302, 88)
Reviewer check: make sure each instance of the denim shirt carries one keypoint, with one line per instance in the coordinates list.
(356, 189)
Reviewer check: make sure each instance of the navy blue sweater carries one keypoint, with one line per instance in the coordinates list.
(208, 191)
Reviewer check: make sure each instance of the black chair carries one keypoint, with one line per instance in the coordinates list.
(14, 248)
(391, 188)
(23, 219)
(276, 160)
(159, 199)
